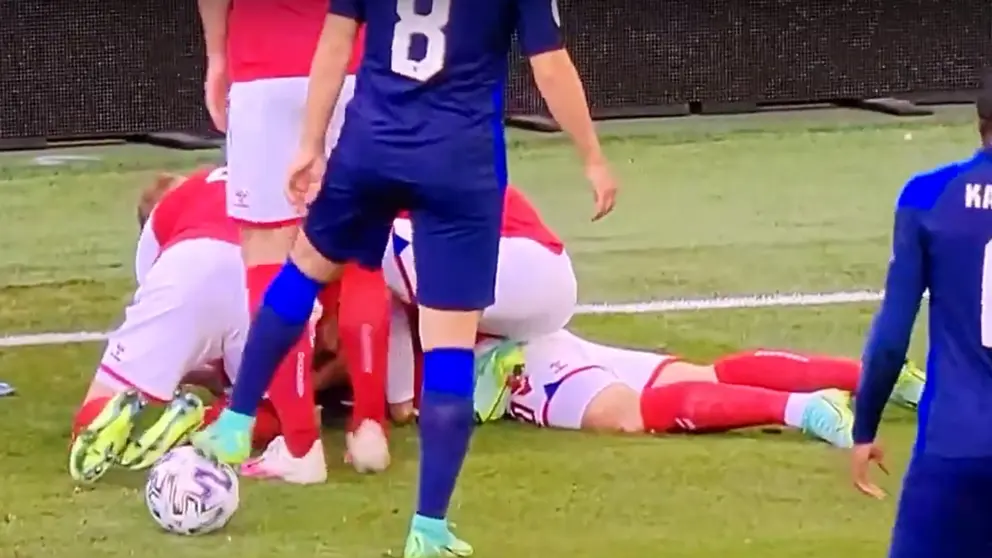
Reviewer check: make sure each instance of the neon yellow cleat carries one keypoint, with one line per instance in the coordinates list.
(494, 369)
(180, 419)
(909, 386)
(828, 416)
(101, 443)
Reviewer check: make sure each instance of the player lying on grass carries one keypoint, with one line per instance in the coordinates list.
(564, 381)
(189, 292)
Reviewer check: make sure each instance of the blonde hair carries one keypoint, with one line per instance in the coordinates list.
(152, 194)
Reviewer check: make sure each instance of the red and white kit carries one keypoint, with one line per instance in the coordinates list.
(190, 307)
(270, 46)
(536, 289)
(563, 373)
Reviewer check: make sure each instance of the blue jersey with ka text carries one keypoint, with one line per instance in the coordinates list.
(428, 97)
(942, 242)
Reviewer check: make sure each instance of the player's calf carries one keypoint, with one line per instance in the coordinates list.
(709, 407)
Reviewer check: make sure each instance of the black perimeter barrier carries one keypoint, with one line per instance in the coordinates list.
(89, 70)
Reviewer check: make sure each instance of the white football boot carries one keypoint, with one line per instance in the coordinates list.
(277, 463)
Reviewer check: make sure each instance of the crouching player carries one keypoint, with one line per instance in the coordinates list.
(536, 289)
(564, 381)
(188, 313)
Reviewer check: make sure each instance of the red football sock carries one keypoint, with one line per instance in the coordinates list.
(258, 278)
(266, 422)
(788, 371)
(363, 326)
(86, 413)
(330, 297)
(266, 428)
(291, 392)
(292, 397)
(705, 406)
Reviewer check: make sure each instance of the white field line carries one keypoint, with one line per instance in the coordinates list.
(656, 306)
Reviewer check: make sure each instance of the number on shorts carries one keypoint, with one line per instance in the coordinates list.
(522, 413)
(430, 26)
(986, 316)
(554, 12)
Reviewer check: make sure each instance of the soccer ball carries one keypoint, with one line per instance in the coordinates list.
(189, 494)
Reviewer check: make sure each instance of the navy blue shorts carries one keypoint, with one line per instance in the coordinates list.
(944, 510)
(457, 223)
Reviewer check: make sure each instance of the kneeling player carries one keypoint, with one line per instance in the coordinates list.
(188, 313)
(564, 381)
(535, 284)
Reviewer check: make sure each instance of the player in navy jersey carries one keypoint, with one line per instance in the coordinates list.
(942, 242)
(423, 133)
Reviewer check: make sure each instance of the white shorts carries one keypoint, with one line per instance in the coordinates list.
(564, 373)
(536, 290)
(265, 122)
(190, 310)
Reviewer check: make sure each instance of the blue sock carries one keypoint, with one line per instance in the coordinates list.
(284, 314)
(446, 424)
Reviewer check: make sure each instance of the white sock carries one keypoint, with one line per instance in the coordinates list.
(795, 406)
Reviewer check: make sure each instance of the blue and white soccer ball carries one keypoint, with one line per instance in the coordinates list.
(189, 494)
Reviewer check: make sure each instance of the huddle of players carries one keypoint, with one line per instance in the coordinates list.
(191, 291)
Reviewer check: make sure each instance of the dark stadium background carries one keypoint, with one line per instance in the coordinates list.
(108, 70)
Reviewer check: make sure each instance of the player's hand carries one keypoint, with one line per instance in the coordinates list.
(215, 88)
(604, 188)
(305, 175)
(863, 456)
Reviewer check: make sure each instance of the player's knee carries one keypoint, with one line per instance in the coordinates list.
(615, 409)
(266, 243)
(402, 413)
(309, 260)
(678, 371)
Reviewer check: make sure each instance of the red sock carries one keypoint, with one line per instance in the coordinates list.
(291, 391)
(266, 422)
(291, 395)
(258, 278)
(86, 413)
(363, 326)
(705, 406)
(330, 298)
(788, 371)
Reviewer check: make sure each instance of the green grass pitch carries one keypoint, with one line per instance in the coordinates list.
(710, 207)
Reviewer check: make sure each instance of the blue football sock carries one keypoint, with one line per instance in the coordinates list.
(446, 424)
(284, 314)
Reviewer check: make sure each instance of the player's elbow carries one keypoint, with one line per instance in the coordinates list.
(551, 68)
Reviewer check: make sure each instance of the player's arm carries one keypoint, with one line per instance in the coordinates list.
(329, 68)
(888, 340)
(556, 76)
(213, 15)
(146, 252)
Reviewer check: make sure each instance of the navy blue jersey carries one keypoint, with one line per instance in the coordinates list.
(942, 242)
(431, 82)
